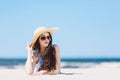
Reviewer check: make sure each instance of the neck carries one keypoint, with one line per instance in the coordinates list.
(42, 49)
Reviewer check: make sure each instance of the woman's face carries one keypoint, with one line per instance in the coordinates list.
(44, 39)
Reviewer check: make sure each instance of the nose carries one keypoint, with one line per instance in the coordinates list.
(47, 40)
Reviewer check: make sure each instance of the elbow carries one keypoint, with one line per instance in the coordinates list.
(57, 72)
(29, 73)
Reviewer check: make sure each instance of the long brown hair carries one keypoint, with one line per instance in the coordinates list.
(49, 60)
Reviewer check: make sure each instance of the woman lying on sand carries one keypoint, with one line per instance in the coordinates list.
(43, 56)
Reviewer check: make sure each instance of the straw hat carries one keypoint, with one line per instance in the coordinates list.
(41, 30)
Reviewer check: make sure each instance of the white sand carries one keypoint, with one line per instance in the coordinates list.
(83, 71)
(96, 73)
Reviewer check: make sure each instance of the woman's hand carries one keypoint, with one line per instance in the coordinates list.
(29, 47)
(34, 57)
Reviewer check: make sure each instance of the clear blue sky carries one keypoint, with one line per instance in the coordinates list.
(88, 28)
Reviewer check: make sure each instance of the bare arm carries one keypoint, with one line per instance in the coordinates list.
(30, 64)
(57, 71)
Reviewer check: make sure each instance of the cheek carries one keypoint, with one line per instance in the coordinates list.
(40, 42)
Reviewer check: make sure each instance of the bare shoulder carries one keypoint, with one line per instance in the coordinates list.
(56, 48)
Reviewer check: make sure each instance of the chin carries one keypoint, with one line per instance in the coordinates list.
(46, 45)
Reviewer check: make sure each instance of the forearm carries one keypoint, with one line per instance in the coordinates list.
(45, 72)
(54, 72)
(29, 66)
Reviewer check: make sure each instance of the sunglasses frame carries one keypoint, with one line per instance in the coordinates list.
(44, 38)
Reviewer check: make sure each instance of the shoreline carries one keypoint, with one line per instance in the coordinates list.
(73, 65)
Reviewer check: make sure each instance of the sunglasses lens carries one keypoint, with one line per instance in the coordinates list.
(48, 37)
(44, 38)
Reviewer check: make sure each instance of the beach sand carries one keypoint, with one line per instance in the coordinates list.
(99, 72)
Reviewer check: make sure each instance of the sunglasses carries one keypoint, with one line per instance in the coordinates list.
(44, 38)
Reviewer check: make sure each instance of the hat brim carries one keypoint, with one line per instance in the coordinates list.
(36, 36)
